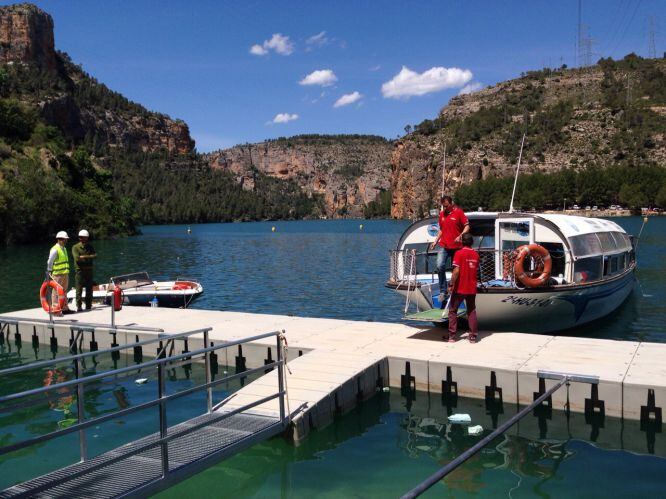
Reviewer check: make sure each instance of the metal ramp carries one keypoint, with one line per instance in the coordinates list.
(165, 457)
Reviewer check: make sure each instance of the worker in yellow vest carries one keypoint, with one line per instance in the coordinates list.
(57, 267)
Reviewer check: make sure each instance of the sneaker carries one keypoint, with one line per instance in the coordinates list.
(452, 338)
(472, 338)
(68, 312)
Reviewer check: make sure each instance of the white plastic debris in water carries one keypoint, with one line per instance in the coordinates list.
(386, 389)
(460, 418)
(141, 381)
(475, 430)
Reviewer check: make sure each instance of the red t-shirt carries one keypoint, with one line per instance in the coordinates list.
(467, 261)
(451, 226)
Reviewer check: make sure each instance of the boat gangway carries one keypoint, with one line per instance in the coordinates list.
(171, 452)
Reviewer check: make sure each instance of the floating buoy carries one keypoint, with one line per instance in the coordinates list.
(273, 228)
(360, 226)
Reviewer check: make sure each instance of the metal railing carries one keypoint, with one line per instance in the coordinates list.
(562, 379)
(165, 359)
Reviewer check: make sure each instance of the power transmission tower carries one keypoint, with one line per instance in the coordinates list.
(584, 41)
(652, 48)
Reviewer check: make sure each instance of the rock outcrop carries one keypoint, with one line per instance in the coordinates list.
(68, 98)
(26, 35)
(577, 118)
(347, 171)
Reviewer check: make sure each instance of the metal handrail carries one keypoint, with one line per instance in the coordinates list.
(82, 355)
(562, 379)
(46, 322)
(160, 362)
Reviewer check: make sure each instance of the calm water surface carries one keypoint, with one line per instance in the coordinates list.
(387, 445)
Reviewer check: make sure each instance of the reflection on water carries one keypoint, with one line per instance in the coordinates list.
(381, 449)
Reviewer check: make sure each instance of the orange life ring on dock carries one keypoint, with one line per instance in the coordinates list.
(44, 293)
(542, 270)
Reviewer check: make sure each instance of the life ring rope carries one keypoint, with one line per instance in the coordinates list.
(45, 297)
(544, 267)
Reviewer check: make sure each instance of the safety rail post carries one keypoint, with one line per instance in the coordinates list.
(280, 363)
(161, 391)
(80, 408)
(207, 367)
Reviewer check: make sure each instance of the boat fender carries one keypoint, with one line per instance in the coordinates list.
(45, 290)
(543, 269)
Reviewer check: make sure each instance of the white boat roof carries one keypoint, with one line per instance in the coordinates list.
(571, 225)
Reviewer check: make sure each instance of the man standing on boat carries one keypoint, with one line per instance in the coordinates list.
(453, 224)
(463, 287)
(84, 254)
(57, 267)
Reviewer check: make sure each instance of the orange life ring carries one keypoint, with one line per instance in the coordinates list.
(542, 270)
(44, 295)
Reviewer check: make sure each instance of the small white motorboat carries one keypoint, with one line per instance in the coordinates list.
(537, 272)
(140, 290)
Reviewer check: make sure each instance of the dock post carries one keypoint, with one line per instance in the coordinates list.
(80, 416)
(280, 362)
(209, 390)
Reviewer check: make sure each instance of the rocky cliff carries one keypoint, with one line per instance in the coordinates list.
(608, 114)
(348, 171)
(66, 97)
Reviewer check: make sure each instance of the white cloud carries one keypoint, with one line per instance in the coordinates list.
(347, 99)
(318, 40)
(471, 88)
(323, 77)
(408, 83)
(284, 118)
(278, 43)
(375, 68)
(258, 50)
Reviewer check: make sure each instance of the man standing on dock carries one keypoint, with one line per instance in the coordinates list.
(57, 267)
(453, 224)
(463, 287)
(84, 254)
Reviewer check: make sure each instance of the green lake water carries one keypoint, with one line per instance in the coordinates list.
(386, 445)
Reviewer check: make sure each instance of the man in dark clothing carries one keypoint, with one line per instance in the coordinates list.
(453, 224)
(84, 254)
(463, 287)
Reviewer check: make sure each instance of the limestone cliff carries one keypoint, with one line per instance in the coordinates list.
(26, 35)
(606, 114)
(347, 170)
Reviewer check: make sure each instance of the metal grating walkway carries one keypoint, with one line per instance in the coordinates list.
(141, 473)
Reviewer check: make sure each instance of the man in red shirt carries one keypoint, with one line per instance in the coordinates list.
(453, 224)
(463, 287)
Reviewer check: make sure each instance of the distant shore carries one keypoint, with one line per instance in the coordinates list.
(602, 213)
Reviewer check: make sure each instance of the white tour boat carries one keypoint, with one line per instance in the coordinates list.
(537, 272)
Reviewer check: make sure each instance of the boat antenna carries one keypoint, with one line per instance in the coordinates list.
(443, 172)
(515, 180)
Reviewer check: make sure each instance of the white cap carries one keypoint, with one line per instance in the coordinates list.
(62, 235)
(83, 233)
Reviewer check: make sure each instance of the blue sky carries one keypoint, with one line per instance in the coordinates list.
(195, 60)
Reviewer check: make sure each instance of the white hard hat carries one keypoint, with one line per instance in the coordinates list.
(83, 233)
(62, 235)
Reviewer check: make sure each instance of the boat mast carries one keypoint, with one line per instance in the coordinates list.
(515, 180)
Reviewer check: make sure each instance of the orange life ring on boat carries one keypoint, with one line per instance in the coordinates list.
(44, 293)
(542, 270)
(182, 285)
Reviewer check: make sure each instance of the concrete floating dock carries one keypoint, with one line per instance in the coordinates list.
(334, 363)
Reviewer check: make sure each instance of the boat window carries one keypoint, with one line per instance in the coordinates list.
(622, 261)
(585, 245)
(587, 269)
(622, 240)
(608, 244)
(557, 257)
(483, 232)
(514, 234)
(607, 265)
(615, 260)
(426, 262)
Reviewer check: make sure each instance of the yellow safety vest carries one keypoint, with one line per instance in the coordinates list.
(61, 264)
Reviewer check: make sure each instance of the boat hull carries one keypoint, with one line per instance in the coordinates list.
(544, 310)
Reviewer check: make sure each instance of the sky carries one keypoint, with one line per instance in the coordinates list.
(244, 71)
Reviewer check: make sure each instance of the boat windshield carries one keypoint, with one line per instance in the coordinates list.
(134, 280)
